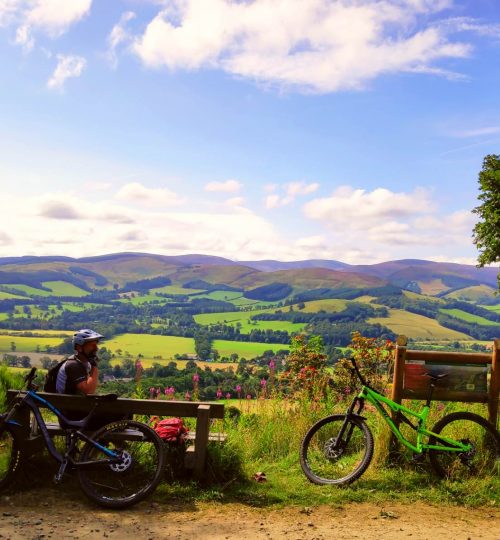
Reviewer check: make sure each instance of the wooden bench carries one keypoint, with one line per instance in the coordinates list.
(203, 412)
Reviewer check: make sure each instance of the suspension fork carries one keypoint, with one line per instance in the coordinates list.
(348, 426)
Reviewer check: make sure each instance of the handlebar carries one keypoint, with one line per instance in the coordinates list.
(358, 373)
(28, 379)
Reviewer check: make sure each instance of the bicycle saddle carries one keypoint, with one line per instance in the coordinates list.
(103, 397)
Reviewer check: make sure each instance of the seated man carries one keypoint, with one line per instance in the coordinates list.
(80, 375)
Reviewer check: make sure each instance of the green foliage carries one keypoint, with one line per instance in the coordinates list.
(8, 379)
(487, 231)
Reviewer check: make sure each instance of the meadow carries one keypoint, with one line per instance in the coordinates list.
(469, 317)
(416, 326)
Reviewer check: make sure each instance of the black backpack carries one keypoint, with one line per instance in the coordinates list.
(51, 377)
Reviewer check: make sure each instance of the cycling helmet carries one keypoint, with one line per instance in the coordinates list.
(84, 335)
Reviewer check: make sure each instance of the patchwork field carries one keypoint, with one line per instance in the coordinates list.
(416, 326)
(469, 317)
(150, 346)
(8, 296)
(245, 349)
(27, 344)
(30, 291)
(62, 288)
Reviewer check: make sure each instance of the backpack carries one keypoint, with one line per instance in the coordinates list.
(171, 430)
(51, 377)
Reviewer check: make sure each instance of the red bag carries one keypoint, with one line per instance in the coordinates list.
(171, 430)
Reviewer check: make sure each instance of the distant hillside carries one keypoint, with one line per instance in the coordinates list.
(115, 271)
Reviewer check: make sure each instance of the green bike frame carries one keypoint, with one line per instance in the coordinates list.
(378, 401)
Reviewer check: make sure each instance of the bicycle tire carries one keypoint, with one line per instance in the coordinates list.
(484, 458)
(10, 456)
(137, 475)
(353, 457)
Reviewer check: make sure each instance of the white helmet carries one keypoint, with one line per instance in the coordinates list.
(84, 335)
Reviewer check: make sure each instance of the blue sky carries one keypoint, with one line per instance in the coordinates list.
(292, 129)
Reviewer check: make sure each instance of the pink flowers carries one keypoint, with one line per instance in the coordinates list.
(263, 383)
(219, 393)
(272, 365)
(169, 392)
(187, 395)
(196, 378)
(228, 395)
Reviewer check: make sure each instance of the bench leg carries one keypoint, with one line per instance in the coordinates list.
(201, 440)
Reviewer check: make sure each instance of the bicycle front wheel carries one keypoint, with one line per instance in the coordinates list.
(327, 458)
(483, 457)
(130, 479)
(10, 456)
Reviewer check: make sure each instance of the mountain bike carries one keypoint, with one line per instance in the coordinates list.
(338, 449)
(117, 466)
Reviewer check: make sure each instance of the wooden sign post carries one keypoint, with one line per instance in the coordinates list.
(467, 379)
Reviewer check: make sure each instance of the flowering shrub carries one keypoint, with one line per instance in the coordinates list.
(306, 363)
(374, 358)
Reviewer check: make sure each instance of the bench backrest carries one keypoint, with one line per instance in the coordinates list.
(186, 409)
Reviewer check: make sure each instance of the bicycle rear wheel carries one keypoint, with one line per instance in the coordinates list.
(134, 476)
(327, 459)
(484, 457)
(10, 456)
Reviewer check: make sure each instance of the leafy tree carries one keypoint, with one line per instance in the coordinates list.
(486, 233)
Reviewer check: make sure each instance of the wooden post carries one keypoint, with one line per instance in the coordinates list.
(399, 369)
(494, 383)
(201, 440)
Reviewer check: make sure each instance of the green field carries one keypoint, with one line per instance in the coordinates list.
(244, 349)
(174, 289)
(330, 305)
(472, 294)
(8, 296)
(496, 308)
(27, 344)
(30, 291)
(62, 288)
(138, 300)
(150, 346)
(416, 326)
(469, 317)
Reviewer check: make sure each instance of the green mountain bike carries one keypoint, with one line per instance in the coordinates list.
(338, 449)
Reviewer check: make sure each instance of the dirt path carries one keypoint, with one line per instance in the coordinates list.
(25, 516)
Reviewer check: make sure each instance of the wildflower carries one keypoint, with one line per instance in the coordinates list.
(249, 396)
(272, 365)
(187, 395)
(228, 395)
(196, 378)
(219, 393)
(263, 383)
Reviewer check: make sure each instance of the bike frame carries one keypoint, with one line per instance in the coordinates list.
(73, 434)
(378, 401)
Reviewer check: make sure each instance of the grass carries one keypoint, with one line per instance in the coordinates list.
(330, 305)
(30, 291)
(267, 437)
(469, 317)
(472, 294)
(150, 346)
(27, 344)
(9, 296)
(496, 308)
(245, 349)
(416, 326)
(181, 364)
(138, 300)
(174, 289)
(62, 288)
(230, 317)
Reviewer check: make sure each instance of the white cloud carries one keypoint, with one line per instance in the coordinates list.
(51, 17)
(229, 186)
(235, 201)
(141, 195)
(359, 209)
(313, 45)
(291, 191)
(119, 35)
(68, 66)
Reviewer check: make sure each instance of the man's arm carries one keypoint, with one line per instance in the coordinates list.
(89, 386)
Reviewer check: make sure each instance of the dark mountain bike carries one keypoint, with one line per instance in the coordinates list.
(338, 449)
(117, 466)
